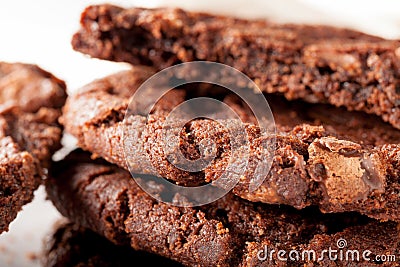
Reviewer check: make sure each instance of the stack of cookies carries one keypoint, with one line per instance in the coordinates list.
(331, 196)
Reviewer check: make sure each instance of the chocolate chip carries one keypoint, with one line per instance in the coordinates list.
(398, 89)
(318, 172)
(349, 152)
(371, 174)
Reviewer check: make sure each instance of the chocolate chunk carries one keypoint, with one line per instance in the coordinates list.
(228, 232)
(343, 169)
(320, 152)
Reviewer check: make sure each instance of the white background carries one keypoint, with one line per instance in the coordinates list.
(40, 31)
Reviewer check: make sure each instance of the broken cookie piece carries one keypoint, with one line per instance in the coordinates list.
(30, 104)
(320, 152)
(72, 245)
(228, 232)
(318, 64)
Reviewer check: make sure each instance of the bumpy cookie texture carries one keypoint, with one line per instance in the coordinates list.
(30, 102)
(314, 63)
(227, 232)
(107, 200)
(382, 240)
(29, 87)
(360, 245)
(71, 246)
(324, 156)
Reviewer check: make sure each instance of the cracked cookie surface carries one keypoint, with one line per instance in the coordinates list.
(311, 143)
(30, 104)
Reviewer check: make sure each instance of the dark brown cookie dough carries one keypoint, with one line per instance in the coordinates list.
(228, 232)
(29, 87)
(318, 64)
(382, 240)
(71, 246)
(324, 156)
(372, 244)
(30, 103)
(105, 199)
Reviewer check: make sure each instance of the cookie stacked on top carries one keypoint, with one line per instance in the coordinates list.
(335, 170)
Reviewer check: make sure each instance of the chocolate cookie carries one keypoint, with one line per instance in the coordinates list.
(314, 63)
(227, 232)
(71, 245)
(105, 199)
(30, 103)
(372, 244)
(324, 156)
